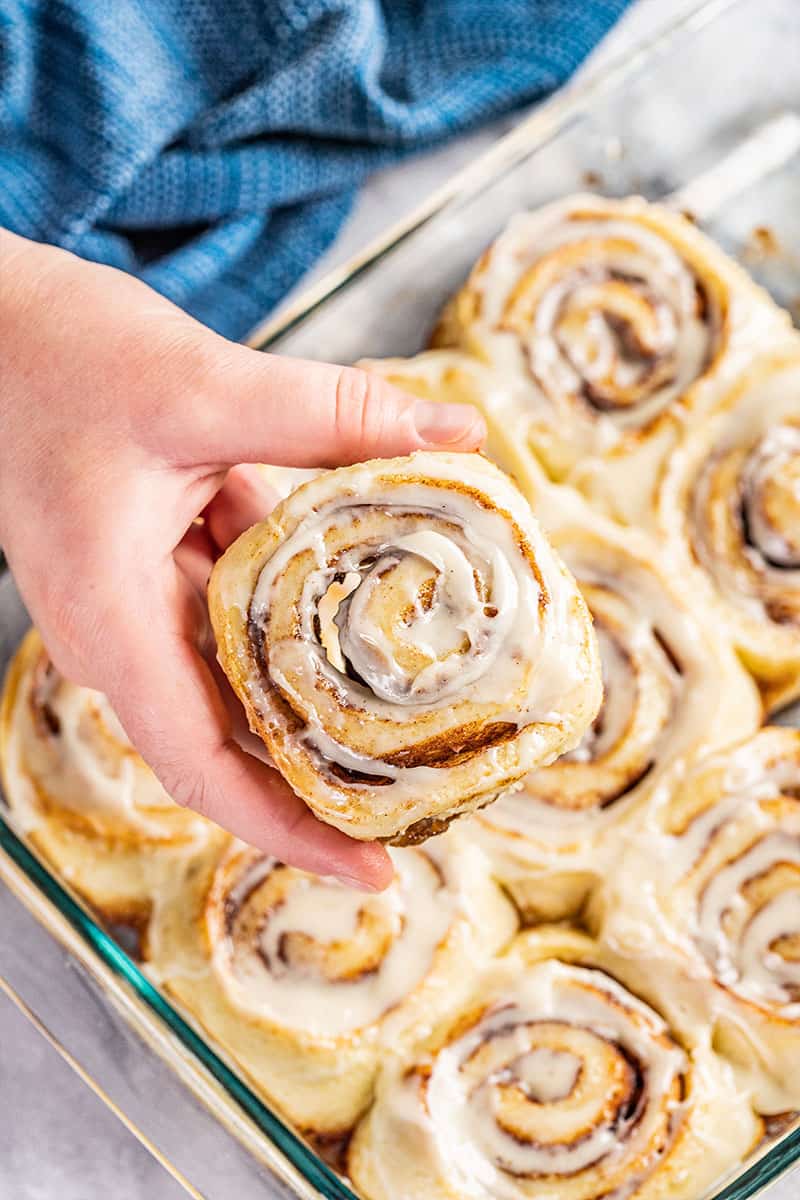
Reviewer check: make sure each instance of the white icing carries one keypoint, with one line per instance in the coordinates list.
(494, 645)
(622, 320)
(718, 913)
(88, 766)
(413, 916)
(778, 451)
(567, 1088)
(653, 713)
(438, 631)
(731, 502)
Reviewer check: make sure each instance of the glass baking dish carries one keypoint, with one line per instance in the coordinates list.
(651, 123)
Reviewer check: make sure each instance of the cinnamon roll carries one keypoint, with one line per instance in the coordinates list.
(558, 1083)
(307, 983)
(672, 689)
(730, 508)
(405, 641)
(82, 795)
(710, 898)
(615, 323)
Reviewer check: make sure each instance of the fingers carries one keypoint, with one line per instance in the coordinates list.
(91, 467)
(244, 499)
(168, 392)
(166, 698)
(264, 408)
(195, 558)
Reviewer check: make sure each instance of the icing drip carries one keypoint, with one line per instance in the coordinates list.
(565, 1076)
(314, 955)
(612, 322)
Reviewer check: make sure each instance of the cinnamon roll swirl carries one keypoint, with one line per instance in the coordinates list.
(719, 916)
(556, 1083)
(672, 689)
(730, 507)
(618, 323)
(307, 983)
(405, 641)
(82, 795)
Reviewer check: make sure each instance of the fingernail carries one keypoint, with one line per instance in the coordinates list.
(357, 884)
(444, 424)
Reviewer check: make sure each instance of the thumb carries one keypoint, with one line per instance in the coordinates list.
(258, 407)
(165, 695)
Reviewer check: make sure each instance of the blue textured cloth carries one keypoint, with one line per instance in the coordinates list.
(214, 147)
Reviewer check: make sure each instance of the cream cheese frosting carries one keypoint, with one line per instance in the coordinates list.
(467, 652)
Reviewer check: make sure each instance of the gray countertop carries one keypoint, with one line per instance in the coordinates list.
(58, 1139)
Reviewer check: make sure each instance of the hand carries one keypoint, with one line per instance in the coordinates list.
(121, 418)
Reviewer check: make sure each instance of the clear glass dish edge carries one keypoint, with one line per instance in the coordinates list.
(161, 1026)
(65, 917)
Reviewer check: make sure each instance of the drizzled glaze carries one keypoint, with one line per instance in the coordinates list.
(314, 955)
(771, 497)
(413, 644)
(730, 506)
(736, 849)
(608, 312)
(309, 984)
(609, 1110)
(750, 550)
(725, 901)
(740, 940)
(563, 1084)
(68, 758)
(671, 687)
(79, 793)
(611, 325)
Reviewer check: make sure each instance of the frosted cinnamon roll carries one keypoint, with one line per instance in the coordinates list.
(556, 1083)
(307, 983)
(83, 796)
(730, 506)
(671, 689)
(719, 915)
(620, 321)
(405, 641)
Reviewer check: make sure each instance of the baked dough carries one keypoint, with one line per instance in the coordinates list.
(308, 983)
(558, 1083)
(405, 641)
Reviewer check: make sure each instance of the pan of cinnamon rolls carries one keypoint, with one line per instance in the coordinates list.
(557, 679)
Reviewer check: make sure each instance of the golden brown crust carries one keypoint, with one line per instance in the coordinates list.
(350, 663)
(727, 903)
(553, 1081)
(728, 509)
(309, 984)
(83, 797)
(613, 325)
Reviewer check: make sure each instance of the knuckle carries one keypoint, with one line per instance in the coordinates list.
(74, 634)
(181, 393)
(189, 789)
(360, 412)
(196, 784)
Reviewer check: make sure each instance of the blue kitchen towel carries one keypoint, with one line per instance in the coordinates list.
(214, 147)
